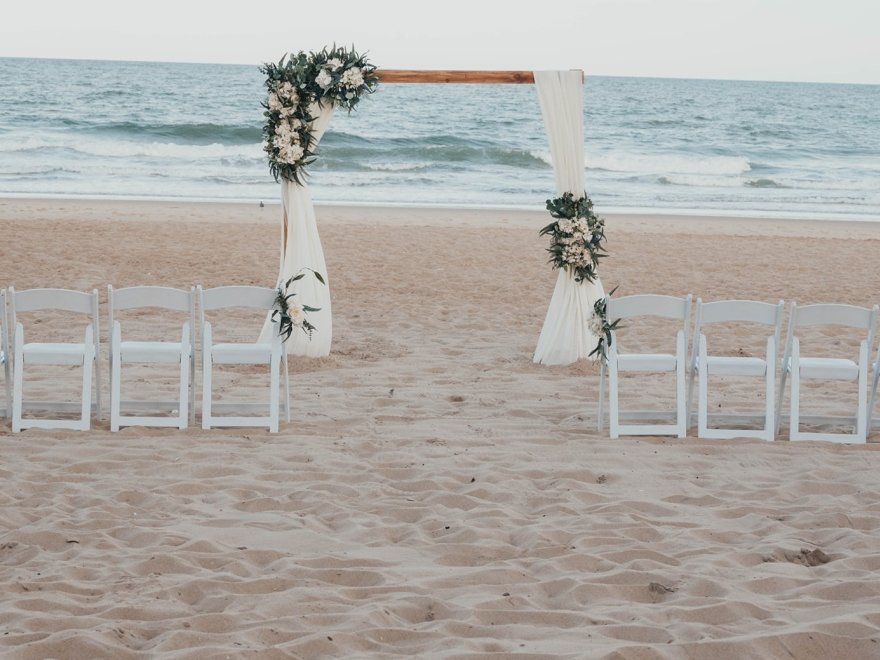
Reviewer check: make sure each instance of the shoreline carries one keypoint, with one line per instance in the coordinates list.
(611, 211)
(50, 209)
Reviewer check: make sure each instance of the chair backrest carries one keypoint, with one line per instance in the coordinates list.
(649, 304)
(140, 297)
(852, 316)
(65, 300)
(749, 311)
(256, 297)
(163, 297)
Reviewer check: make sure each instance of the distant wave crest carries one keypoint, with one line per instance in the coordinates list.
(669, 164)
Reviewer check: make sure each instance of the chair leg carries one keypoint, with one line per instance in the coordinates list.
(601, 413)
(286, 388)
(863, 412)
(680, 393)
(703, 398)
(192, 385)
(115, 390)
(274, 377)
(88, 362)
(18, 382)
(794, 419)
(183, 411)
(613, 411)
(770, 402)
(206, 391)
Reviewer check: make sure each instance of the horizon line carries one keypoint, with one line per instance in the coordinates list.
(587, 73)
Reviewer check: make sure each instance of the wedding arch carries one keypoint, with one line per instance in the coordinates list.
(575, 326)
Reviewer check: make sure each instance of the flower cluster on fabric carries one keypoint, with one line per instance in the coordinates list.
(291, 314)
(296, 87)
(576, 236)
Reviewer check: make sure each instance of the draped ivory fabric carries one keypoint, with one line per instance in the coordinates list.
(566, 337)
(302, 249)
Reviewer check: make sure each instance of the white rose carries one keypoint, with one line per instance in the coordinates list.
(334, 63)
(595, 325)
(294, 153)
(324, 79)
(295, 312)
(353, 77)
(282, 130)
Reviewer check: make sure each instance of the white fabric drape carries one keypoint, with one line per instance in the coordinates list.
(302, 249)
(566, 337)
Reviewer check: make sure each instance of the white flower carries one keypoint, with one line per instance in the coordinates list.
(595, 325)
(282, 130)
(296, 124)
(274, 102)
(324, 79)
(565, 226)
(287, 92)
(334, 63)
(353, 77)
(294, 153)
(296, 314)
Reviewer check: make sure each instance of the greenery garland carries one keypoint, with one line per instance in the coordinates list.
(292, 315)
(296, 86)
(576, 244)
(601, 328)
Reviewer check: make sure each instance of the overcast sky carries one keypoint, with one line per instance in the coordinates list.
(803, 40)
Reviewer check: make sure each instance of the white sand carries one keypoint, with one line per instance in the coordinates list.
(437, 494)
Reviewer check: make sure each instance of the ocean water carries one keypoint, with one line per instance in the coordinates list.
(192, 131)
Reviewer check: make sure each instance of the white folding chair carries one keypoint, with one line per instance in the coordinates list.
(628, 307)
(704, 365)
(152, 352)
(271, 353)
(801, 367)
(5, 356)
(85, 355)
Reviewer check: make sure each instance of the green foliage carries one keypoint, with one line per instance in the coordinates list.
(602, 328)
(576, 237)
(295, 88)
(290, 316)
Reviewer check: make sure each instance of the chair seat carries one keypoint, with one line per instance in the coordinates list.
(736, 366)
(151, 351)
(830, 368)
(257, 353)
(48, 353)
(646, 362)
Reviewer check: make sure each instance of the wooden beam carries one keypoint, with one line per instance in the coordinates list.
(438, 76)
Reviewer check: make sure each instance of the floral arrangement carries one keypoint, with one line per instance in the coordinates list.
(601, 328)
(577, 235)
(296, 87)
(291, 314)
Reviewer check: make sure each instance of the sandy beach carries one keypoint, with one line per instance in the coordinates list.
(437, 494)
